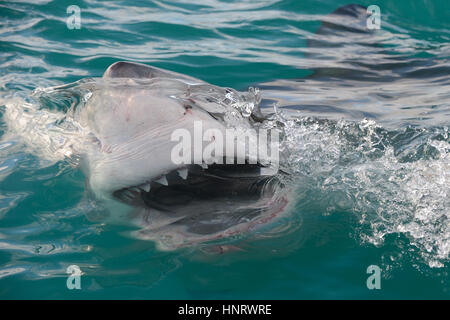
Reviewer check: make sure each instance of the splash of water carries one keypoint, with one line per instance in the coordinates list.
(393, 182)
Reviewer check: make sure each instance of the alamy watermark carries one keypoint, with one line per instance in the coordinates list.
(374, 20)
(74, 280)
(374, 280)
(228, 146)
(74, 20)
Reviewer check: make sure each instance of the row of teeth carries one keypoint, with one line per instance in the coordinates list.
(183, 173)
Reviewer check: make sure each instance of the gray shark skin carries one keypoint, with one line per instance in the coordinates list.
(129, 167)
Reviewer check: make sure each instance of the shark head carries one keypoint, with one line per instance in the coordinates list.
(138, 117)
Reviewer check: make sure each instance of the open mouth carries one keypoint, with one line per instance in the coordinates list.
(199, 203)
(191, 184)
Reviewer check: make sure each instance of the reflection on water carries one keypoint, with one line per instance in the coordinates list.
(365, 119)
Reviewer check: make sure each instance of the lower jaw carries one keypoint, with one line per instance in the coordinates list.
(170, 236)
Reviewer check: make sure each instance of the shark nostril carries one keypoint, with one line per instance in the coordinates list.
(188, 108)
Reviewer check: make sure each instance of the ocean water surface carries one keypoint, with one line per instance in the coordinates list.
(364, 116)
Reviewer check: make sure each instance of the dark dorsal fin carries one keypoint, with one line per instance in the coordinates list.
(344, 22)
(345, 19)
(341, 38)
(123, 69)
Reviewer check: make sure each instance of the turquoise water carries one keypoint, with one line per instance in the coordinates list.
(365, 117)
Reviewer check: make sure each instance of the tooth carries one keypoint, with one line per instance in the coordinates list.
(128, 194)
(162, 180)
(183, 173)
(146, 187)
(268, 171)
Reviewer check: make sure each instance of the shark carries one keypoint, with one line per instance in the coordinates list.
(168, 154)
(133, 116)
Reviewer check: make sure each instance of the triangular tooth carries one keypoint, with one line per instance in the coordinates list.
(146, 187)
(163, 181)
(268, 171)
(128, 194)
(183, 173)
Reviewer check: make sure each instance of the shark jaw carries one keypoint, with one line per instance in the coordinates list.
(197, 204)
(179, 188)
